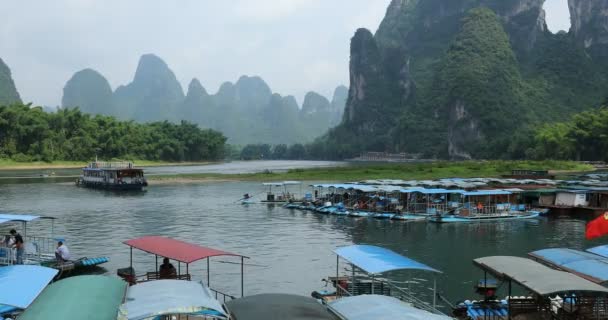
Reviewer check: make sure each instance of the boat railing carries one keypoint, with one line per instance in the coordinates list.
(7, 256)
(471, 208)
(224, 296)
(109, 164)
(408, 297)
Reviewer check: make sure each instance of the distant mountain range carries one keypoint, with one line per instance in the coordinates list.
(246, 111)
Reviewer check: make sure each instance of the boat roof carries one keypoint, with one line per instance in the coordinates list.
(278, 306)
(169, 297)
(433, 191)
(65, 299)
(587, 265)
(10, 217)
(176, 249)
(486, 193)
(374, 260)
(379, 307)
(599, 250)
(25, 283)
(536, 277)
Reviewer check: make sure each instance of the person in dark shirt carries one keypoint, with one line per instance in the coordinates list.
(167, 270)
(18, 245)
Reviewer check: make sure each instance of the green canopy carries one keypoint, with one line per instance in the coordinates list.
(81, 297)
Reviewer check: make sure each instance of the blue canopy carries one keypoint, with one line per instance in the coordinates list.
(587, 265)
(23, 283)
(6, 217)
(600, 250)
(441, 191)
(486, 193)
(374, 260)
(379, 307)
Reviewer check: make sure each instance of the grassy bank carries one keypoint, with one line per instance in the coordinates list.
(7, 164)
(405, 171)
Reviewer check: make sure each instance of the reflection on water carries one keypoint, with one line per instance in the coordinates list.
(291, 251)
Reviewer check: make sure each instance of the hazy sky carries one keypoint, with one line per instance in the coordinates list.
(295, 45)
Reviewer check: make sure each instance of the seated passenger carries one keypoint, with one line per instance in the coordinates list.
(62, 253)
(167, 270)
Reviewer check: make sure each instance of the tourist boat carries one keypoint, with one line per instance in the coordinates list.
(183, 252)
(555, 294)
(374, 262)
(112, 176)
(30, 281)
(588, 265)
(421, 203)
(41, 250)
(484, 206)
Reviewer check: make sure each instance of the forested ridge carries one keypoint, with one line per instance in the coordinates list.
(30, 134)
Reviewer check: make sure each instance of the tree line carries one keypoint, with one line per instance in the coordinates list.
(30, 134)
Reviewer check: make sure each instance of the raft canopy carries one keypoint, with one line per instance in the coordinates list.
(587, 265)
(153, 299)
(278, 306)
(536, 277)
(175, 249)
(379, 307)
(486, 193)
(23, 283)
(80, 297)
(599, 250)
(376, 260)
(9, 217)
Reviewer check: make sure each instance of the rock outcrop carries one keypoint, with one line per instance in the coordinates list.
(589, 22)
(89, 91)
(8, 91)
(338, 102)
(154, 93)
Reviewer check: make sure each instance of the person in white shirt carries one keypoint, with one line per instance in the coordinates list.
(62, 253)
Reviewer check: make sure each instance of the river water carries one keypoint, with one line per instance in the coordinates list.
(291, 251)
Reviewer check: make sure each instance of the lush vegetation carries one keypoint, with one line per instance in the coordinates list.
(8, 92)
(406, 171)
(464, 79)
(30, 134)
(585, 136)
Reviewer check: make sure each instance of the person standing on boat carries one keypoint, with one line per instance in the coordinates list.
(62, 253)
(19, 245)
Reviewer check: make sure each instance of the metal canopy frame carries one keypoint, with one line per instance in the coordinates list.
(208, 258)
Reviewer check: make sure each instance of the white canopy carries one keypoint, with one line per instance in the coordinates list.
(148, 300)
(379, 307)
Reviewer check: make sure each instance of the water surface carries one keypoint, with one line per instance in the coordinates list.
(291, 251)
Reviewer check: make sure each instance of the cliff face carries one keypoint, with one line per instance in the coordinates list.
(8, 91)
(434, 81)
(590, 22)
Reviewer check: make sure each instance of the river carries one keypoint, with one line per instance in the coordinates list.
(291, 251)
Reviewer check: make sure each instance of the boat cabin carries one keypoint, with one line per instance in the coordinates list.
(368, 267)
(552, 294)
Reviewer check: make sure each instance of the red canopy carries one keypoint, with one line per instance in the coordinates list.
(175, 249)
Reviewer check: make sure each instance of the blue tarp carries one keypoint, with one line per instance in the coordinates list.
(600, 250)
(379, 307)
(587, 265)
(374, 260)
(486, 193)
(21, 284)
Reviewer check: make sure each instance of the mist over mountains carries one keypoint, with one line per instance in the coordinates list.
(246, 111)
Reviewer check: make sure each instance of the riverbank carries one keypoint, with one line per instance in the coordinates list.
(405, 171)
(7, 164)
